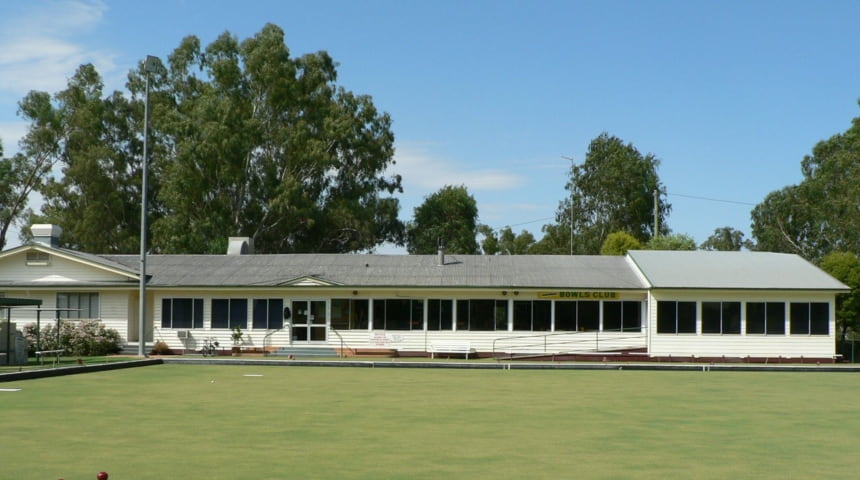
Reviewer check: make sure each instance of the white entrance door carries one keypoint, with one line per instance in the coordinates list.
(309, 321)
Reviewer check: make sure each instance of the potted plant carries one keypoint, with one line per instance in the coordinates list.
(237, 340)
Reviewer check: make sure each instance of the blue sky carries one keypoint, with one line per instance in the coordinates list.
(494, 95)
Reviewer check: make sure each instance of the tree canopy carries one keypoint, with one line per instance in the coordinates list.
(822, 213)
(19, 176)
(505, 241)
(845, 267)
(448, 217)
(246, 140)
(671, 241)
(611, 191)
(727, 239)
(618, 243)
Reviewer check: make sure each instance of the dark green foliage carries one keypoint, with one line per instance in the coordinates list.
(611, 191)
(845, 267)
(505, 242)
(727, 239)
(449, 217)
(822, 213)
(245, 140)
(671, 241)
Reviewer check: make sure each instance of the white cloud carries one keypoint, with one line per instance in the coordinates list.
(41, 46)
(10, 133)
(424, 172)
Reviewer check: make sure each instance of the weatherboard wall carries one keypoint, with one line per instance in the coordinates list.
(744, 344)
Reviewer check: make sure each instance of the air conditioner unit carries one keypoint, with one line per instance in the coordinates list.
(183, 334)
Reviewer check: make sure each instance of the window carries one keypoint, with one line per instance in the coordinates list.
(349, 314)
(269, 313)
(577, 316)
(181, 313)
(721, 317)
(482, 315)
(79, 305)
(621, 316)
(398, 314)
(38, 259)
(532, 316)
(810, 318)
(766, 318)
(676, 317)
(440, 314)
(229, 312)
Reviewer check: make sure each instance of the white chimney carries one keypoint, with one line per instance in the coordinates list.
(240, 246)
(46, 234)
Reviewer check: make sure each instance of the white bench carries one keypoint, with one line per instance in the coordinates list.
(460, 348)
(41, 355)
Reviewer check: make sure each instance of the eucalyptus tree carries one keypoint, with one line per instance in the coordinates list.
(727, 239)
(505, 241)
(246, 140)
(611, 191)
(20, 175)
(821, 214)
(447, 217)
(92, 139)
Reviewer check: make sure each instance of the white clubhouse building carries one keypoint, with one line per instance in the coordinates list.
(646, 305)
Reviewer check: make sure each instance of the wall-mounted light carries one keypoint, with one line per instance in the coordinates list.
(516, 292)
(355, 292)
(504, 292)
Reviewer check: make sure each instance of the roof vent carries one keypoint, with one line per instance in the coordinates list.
(46, 234)
(240, 246)
(440, 256)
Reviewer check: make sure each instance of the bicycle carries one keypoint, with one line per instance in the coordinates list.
(210, 346)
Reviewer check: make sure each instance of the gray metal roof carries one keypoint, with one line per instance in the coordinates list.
(731, 270)
(422, 271)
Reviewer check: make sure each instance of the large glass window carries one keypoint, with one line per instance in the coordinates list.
(721, 317)
(229, 312)
(398, 314)
(676, 317)
(269, 313)
(766, 318)
(182, 313)
(621, 316)
(577, 316)
(79, 305)
(810, 318)
(532, 315)
(482, 315)
(440, 314)
(349, 314)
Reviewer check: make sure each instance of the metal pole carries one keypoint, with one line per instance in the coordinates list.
(656, 213)
(39, 329)
(148, 66)
(8, 334)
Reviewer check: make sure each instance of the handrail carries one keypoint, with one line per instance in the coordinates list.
(342, 343)
(268, 336)
(545, 341)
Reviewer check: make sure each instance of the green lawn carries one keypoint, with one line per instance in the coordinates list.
(173, 422)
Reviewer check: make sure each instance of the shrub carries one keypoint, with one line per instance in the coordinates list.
(161, 348)
(81, 338)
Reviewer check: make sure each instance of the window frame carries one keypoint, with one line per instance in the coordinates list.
(93, 301)
(678, 307)
(724, 310)
(811, 322)
(352, 321)
(168, 312)
(270, 317)
(767, 324)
